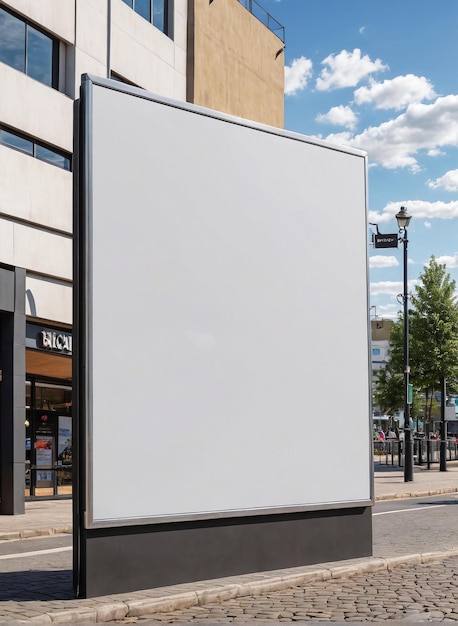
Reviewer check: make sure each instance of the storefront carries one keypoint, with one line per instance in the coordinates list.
(48, 412)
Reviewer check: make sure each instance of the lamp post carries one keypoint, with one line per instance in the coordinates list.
(403, 219)
(443, 444)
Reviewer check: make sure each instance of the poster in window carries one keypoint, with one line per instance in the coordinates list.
(43, 451)
(64, 443)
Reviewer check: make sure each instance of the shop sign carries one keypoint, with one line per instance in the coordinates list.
(58, 342)
(49, 339)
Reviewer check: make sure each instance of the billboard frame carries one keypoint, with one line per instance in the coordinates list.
(90, 527)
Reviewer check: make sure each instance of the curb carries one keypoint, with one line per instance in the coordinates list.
(29, 534)
(415, 494)
(113, 610)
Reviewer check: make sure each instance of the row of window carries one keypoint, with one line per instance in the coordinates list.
(35, 149)
(32, 51)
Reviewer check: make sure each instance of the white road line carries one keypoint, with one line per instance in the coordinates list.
(19, 555)
(419, 508)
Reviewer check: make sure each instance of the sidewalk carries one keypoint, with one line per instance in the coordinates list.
(389, 481)
(55, 517)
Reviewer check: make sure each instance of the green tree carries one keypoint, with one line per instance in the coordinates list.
(433, 345)
(434, 332)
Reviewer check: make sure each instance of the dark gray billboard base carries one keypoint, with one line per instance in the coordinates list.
(132, 558)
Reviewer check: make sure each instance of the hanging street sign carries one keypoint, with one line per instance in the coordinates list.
(385, 241)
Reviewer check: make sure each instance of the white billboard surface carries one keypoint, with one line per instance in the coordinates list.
(228, 350)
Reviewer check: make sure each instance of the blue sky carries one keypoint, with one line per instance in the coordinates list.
(381, 75)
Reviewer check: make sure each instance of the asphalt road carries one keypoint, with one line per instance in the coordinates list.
(415, 525)
(50, 554)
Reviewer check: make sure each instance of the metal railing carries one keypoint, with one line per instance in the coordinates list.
(425, 451)
(263, 16)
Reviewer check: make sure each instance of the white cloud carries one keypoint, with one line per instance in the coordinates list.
(391, 288)
(396, 93)
(297, 75)
(383, 261)
(362, 29)
(339, 116)
(346, 69)
(417, 209)
(387, 308)
(449, 261)
(427, 225)
(434, 152)
(388, 288)
(421, 127)
(448, 181)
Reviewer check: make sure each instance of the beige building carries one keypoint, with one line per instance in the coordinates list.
(215, 53)
(235, 64)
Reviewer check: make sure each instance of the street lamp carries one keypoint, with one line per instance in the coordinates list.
(403, 219)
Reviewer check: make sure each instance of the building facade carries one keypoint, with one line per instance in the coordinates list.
(380, 342)
(236, 65)
(181, 50)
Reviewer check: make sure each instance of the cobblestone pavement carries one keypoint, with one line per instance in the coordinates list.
(410, 593)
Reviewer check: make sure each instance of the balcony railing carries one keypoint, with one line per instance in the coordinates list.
(261, 14)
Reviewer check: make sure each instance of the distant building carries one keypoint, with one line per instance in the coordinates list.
(380, 347)
(380, 343)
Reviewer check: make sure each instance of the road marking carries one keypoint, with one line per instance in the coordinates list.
(19, 555)
(418, 508)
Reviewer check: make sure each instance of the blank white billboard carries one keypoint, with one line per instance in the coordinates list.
(227, 345)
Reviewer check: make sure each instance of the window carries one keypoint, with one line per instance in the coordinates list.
(28, 49)
(15, 141)
(376, 351)
(34, 149)
(159, 7)
(155, 11)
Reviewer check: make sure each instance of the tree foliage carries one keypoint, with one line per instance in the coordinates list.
(433, 344)
(389, 390)
(434, 328)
